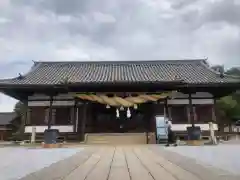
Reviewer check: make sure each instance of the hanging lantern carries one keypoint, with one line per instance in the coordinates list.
(128, 113)
(135, 106)
(117, 113)
(108, 107)
(121, 108)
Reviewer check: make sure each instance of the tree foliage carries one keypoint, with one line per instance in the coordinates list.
(20, 110)
(230, 105)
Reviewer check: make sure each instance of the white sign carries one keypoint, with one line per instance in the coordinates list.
(160, 121)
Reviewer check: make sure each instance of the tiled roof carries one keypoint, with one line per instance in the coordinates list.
(187, 71)
(6, 118)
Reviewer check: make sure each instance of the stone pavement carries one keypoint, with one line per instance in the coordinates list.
(224, 156)
(139, 162)
(17, 162)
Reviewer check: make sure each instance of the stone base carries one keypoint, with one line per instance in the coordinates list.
(57, 145)
(195, 142)
(151, 138)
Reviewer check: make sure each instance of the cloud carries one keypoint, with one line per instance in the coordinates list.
(103, 18)
(3, 20)
(179, 4)
(224, 11)
(71, 30)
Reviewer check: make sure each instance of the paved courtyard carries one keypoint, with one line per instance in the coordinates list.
(149, 162)
(17, 162)
(222, 156)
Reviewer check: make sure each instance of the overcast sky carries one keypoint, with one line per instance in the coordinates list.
(67, 30)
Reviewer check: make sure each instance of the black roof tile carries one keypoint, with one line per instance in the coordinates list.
(53, 73)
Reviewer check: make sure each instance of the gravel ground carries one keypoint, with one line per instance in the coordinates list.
(18, 162)
(225, 156)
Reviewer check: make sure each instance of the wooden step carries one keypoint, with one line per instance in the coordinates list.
(62, 137)
(116, 138)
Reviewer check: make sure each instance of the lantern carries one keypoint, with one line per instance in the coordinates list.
(117, 113)
(135, 106)
(128, 113)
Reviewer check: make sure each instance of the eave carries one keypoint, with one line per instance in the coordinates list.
(21, 92)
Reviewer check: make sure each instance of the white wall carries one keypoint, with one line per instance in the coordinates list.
(41, 129)
(45, 97)
(195, 95)
(194, 101)
(183, 127)
(232, 128)
(47, 103)
(175, 127)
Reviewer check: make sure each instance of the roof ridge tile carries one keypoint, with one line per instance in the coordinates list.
(117, 62)
(52, 73)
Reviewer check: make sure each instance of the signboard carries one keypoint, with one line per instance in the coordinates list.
(161, 127)
(160, 121)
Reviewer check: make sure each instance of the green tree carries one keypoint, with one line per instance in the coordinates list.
(230, 105)
(233, 71)
(20, 110)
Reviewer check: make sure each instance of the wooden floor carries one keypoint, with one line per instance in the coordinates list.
(127, 163)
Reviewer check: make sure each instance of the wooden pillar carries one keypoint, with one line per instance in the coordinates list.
(214, 118)
(50, 112)
(148, 127)
(26, 113)
(169, 113)
(94, 120)
(194, 113)
(150, 112)
(153, 114)
(191, 113)
(148, 121)
(1, 132)
(77, 118)
(74, 115)
(166, 111)
(83, 122)
(188, 114)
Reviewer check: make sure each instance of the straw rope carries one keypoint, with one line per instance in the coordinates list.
(109, 100)
(125, 102)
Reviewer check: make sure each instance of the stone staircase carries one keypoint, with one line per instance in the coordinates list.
(116, 138)
(69, 137)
